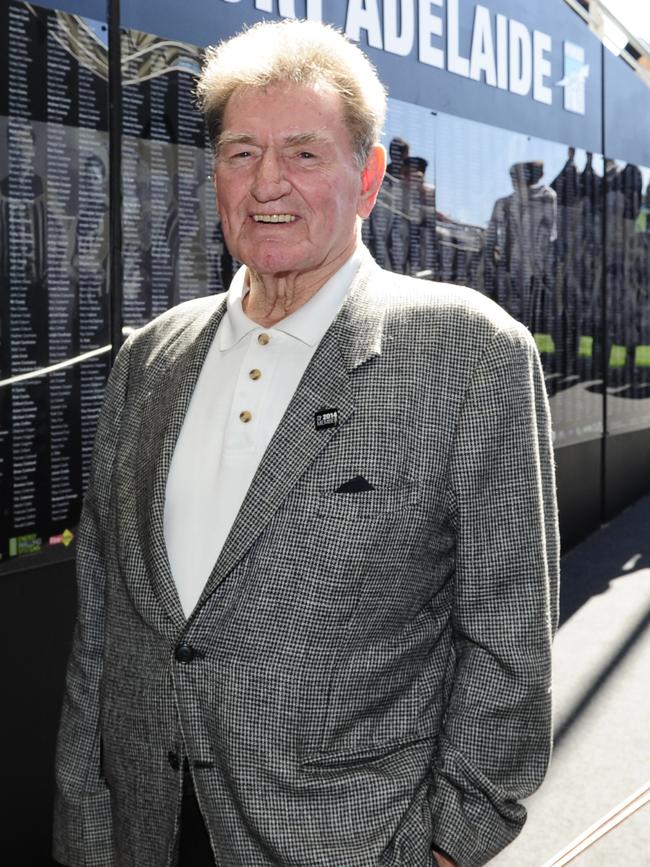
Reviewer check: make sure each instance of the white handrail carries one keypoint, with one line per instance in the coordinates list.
(51, 368)
(603, 826)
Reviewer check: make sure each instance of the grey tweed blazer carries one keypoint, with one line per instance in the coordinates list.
(370, 672)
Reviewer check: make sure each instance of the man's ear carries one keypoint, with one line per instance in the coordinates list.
(371, 177)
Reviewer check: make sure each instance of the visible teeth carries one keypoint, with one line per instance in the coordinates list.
(273, 218)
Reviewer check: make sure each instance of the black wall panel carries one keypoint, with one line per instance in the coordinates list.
(627, 474)
(579, 481)
(38, 609)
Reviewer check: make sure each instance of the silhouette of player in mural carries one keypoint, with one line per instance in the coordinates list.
(519, 251)
(422, 220)
(401, 231)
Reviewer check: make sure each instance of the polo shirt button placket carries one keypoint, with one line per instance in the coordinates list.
(245, 416)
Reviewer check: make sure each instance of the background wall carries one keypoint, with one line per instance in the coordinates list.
(107, 218)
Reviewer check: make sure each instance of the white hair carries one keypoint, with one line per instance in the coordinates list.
(295, 52)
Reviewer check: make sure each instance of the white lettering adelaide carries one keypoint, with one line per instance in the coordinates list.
(521, 58)
(399, 34)
(364, 15)
(502, 52)
(455, 61)
(483, 58)
(542, 67)
(429, 24)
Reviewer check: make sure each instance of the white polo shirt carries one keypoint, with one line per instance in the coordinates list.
(246, 383)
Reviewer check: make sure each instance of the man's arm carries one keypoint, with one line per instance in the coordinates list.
(82, 812)
(495, 741)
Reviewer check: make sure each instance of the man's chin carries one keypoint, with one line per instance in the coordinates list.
(276, 262)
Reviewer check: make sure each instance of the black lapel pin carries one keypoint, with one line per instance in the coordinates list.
(326, 418)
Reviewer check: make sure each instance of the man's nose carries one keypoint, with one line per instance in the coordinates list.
(270, 179)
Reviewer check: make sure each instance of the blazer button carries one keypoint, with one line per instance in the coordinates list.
(184, 652)
(173, 760)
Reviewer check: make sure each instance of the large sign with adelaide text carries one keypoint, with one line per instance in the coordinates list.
(529, 67)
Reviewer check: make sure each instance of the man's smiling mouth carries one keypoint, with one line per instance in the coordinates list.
(274, 218)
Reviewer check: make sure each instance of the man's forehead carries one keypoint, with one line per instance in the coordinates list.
(285, 114)
(301, 98)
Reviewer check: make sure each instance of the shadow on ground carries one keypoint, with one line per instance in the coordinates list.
(621, 546)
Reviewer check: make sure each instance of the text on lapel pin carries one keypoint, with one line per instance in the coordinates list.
(326, 418)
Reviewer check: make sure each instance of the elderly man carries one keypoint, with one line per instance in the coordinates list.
(318, 554)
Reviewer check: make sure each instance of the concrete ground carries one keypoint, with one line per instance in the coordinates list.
(602, 702)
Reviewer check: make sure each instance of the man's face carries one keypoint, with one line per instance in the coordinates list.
(288, 187)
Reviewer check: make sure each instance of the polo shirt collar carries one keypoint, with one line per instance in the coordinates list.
(307, 324)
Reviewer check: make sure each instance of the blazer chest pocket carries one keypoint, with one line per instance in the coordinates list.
(369, 504)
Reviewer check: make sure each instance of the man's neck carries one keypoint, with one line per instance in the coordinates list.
(273, 297)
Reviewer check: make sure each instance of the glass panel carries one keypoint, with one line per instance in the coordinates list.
(172, 248)
(54, 331)
(401, 231)
(516, 218)
(628, 288)
(627, 246)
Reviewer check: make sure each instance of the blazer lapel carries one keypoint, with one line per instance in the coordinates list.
(162, 418)
(353, 338)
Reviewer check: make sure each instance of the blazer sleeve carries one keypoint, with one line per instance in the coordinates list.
(82, 811)
(495, 740)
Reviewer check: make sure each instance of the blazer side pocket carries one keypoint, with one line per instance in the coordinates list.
(361, 757)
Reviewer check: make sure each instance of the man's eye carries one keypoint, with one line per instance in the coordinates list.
(306, 155)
